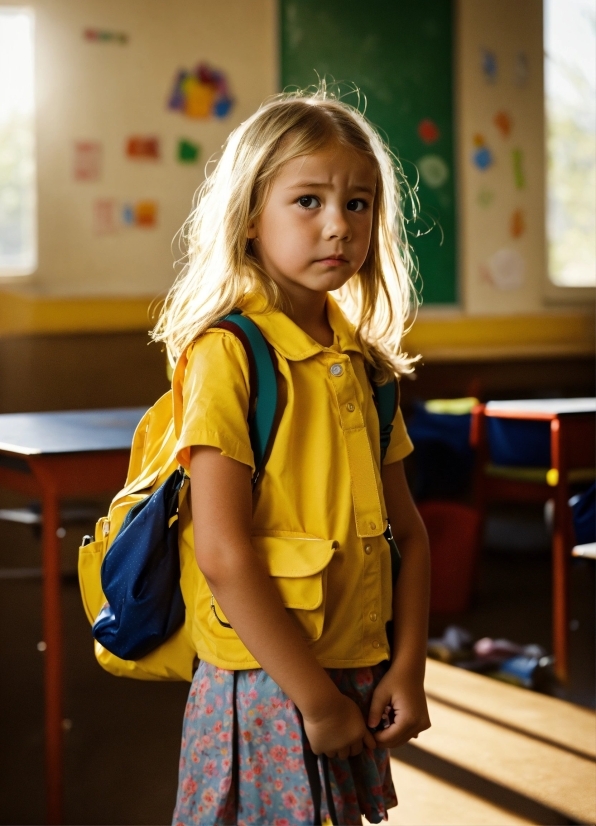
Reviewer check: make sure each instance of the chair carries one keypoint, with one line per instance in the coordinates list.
(556, 438)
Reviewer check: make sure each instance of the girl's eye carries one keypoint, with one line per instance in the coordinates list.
(356, 205)
(309, 202)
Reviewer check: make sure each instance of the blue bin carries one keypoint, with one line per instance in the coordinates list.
(519, 443)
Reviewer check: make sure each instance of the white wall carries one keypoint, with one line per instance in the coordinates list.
(507, 28)
(107, 92)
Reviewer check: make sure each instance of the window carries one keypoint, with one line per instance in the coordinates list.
(18, 223)
(570, 88)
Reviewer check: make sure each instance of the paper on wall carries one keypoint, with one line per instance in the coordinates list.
(506, 269)
(87, 156)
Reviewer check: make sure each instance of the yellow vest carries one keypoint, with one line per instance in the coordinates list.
(319, 512)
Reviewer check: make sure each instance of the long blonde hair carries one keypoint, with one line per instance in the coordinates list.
(220, 266)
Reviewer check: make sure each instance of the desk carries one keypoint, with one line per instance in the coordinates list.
(49, 456)
(572, 432)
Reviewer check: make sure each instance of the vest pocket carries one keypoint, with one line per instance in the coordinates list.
(298, 566)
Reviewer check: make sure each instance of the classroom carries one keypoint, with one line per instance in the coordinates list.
(112, 115)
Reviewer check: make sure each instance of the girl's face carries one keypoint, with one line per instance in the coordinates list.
(314, 231)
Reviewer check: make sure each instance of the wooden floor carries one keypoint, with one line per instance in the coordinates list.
(496, 755)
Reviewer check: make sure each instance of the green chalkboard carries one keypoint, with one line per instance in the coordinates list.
(399, 54)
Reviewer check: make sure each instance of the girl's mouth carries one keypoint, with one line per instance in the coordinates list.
(333, 261)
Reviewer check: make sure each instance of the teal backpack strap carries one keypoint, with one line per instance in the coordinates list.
(263, 384)
(386, 397)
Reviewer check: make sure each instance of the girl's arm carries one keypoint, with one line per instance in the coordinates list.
(221, 500)
(402, 688)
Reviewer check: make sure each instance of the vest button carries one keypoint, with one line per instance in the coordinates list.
(336, 369)
(372, 526)
(373, 616)
(375, 643)
(368, 549)
(350, 407)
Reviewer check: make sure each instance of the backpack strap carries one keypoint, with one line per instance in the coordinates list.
(263, 383)
(386, 398)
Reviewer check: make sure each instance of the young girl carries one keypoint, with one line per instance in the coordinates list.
(290, 592)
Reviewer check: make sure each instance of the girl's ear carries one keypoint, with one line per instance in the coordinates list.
(251, 232)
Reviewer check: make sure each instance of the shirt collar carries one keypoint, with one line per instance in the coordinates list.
(290, 340)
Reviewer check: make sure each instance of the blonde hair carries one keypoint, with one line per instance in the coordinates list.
(220, 266)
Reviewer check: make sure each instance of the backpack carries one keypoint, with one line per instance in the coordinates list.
(154, 476)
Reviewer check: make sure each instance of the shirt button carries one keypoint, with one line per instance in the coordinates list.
(373, 617)
(350, 407)
(372, 526)
(336, 369)
(375, 643)
(368, 549)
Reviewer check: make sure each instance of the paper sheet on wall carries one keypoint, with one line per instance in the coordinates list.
(87, 157)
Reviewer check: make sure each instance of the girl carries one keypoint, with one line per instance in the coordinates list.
(288, 603)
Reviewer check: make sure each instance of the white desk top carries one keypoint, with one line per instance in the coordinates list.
(547, 406)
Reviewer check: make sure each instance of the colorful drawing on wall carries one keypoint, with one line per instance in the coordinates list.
(428, 131)
(517, 157)
(187, 151)
(87, 160)
(146, 213)
(105, 36)
(143, 148)
(506, 269)
(105, 216)
(482, 157)
(201, 94)
(517, 224)
(521, 69)
(504, 123)
(485, 197)
(141, 214)
(489, 64)
(433, 170)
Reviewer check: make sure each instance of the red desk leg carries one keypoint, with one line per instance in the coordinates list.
(561, 553)
(52, 630)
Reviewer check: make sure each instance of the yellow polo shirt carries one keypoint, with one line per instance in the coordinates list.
(319, 512)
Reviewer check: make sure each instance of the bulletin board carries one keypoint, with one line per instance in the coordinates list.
(399, 54)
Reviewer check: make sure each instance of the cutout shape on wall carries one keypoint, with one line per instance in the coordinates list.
(105, 36)
(87, 160)
(482, 157)
(506, 269)
(141, 214)
(517, 225)
(517, 157)
(489, 64)
(521, 69)
(433, 170)
(201, 94)
(105, 216)
(502, 120)
(428, 131)
(187, 151)
(146, 213)
(485, 197)
(144, 148)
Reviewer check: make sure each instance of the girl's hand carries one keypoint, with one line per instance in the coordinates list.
(403, 698)
(340, 732)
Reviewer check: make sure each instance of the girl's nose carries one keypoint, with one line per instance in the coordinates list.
(337, 227)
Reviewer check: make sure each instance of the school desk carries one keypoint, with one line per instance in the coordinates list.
(570, 447)
(49, 456)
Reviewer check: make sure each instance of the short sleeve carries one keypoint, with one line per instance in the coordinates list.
(401, 444)
(215, 399)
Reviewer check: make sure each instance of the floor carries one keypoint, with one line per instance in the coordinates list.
(122, 736)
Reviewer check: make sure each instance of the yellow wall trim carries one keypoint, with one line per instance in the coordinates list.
(438, 339)
(492, 337)
(34, 315)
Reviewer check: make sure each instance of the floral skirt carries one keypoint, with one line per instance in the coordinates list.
(245, 759)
